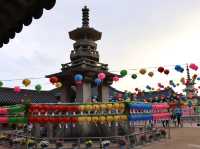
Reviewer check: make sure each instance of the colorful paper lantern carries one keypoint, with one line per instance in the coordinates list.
(58, 84)
(109, 107)
(78, 77)
(109, 118)
(96, 107)
(38, 87)
(179, 68)
(123, 73)
(161, 69)
(103, 106)
(102, 76)
(115, 78)
(95, 119)
(166, 71)
(194, 76)
(17, 89)
(143, 71)
(193, 67)
(133, 76)
(102, 119)
(26, 82)
(150, 74)
(53, 80)
(116, 106)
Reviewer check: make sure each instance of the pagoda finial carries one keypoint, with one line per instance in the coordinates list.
(85, 17)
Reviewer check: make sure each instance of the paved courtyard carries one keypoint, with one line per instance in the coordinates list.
(181, 138)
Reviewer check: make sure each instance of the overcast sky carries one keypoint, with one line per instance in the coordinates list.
(136, 34)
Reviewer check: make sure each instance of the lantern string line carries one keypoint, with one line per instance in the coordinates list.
(135, 69)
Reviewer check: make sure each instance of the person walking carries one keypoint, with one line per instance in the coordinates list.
(178, 113)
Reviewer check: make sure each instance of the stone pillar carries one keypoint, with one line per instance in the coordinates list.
(84, 92)
(36, 130)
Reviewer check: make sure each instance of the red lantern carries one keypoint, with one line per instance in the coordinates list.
(166, 71)
(73, 119)
(194, 76)
(161, 69)
(54, 80)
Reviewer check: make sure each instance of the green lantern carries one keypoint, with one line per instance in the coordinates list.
(123, 73)
(16, 120)
(134, 76)
(38, 87)
(16, 109)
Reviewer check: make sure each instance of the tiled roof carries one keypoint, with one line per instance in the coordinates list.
(8, 96)
(16, 13)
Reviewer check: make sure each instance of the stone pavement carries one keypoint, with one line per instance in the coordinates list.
(181, 138)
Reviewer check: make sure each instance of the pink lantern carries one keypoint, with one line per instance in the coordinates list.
(193, 66)
(3, 111)
(101, 76)
(17, 89)
(4, 120)
(115, 78)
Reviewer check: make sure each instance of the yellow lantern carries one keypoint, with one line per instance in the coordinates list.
(102, 106)
(81, 119)
(88, 107)
(81, 108)
(109, 118)
(123, 118)
(109, 107)
(96, 107)
(102, 119)
(88, 119)
(121, 106)
(116, 106)
(95, 119)
(116, 118)
(59, 84)
(26, 82)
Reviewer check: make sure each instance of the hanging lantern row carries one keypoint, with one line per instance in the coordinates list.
(160, 106)
(12, 109)
(161, 116)
(140, 106)
(82, 119)
(140, 117)
(15, 120)
(53, 119)
(77, 108)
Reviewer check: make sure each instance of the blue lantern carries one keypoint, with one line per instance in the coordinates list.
(78, 77)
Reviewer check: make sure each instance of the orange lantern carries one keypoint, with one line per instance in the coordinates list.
(102, 106)
(143, 71)
(109, 107)
(96, 107)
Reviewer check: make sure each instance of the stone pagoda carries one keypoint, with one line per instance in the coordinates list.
(85, 61)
